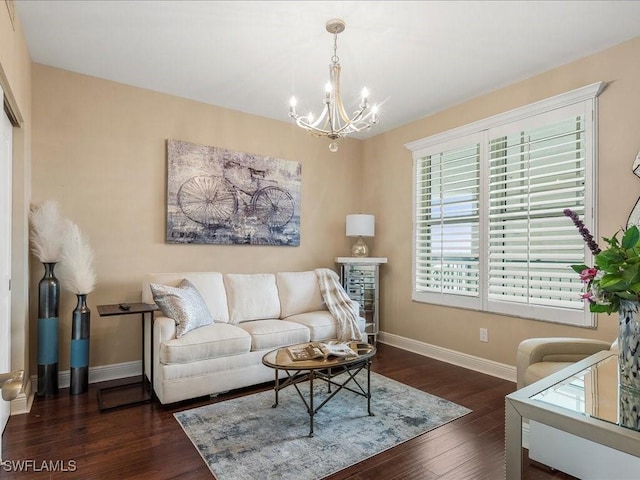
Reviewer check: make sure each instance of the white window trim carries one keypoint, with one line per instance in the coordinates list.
(420, 148)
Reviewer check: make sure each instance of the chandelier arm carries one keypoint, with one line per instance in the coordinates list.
(357, 124)
(352, 124)
(320, 119)
(313, 127)
(314, 130)
(304, 122)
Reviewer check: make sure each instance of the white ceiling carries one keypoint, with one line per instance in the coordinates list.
(415, 57)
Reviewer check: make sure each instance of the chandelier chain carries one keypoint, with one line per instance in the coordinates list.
(335, 59)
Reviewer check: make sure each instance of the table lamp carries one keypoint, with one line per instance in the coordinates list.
(360, 225)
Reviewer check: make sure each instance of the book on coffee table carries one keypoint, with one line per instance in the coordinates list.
(320, 350)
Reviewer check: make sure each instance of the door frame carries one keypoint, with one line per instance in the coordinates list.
(6, 159)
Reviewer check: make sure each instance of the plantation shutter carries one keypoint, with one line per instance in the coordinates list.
(447, 233)
(490, 233)
(536, 170)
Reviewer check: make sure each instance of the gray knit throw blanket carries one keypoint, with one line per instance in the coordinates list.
(340, 306)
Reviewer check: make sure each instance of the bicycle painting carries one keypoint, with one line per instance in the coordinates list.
(220, 196)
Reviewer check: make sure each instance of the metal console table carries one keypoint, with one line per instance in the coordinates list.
(136, 392)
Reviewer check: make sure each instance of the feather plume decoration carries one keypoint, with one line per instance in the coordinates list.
(47, 230)
(76, 263)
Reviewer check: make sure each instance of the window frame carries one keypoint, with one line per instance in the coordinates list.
(585, 96)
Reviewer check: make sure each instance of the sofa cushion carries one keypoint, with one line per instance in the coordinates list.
(270, 334)
(212, 341)
(209, 284)
(251, 297)
(183, 304)
(299, 292)
(321, 325)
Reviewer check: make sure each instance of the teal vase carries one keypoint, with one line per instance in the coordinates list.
(80, 326)
(48, 303)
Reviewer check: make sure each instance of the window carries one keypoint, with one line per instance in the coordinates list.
(447, 223)
(489, 229)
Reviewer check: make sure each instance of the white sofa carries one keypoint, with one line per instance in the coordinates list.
(252, 313)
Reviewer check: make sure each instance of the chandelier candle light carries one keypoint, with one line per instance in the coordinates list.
(334, 122)
(360, 225)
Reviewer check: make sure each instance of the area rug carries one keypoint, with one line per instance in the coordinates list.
(245, 438)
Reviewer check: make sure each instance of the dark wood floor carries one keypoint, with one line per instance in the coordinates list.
(146, 442)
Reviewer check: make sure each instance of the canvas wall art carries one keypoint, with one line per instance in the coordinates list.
(220, 196)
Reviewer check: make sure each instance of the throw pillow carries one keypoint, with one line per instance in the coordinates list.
(299, 293)
(183, 304)
(251, 296)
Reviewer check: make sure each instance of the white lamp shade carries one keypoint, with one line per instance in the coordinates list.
(361, 225)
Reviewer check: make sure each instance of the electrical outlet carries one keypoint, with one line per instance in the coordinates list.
(484, 335)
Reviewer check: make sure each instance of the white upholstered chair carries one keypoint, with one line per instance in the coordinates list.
(538, 357)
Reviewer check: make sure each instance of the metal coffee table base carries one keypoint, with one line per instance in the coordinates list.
(327, 375)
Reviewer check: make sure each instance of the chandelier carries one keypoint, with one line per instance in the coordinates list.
(334, 122)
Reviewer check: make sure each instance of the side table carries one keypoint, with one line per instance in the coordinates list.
(360, 277)
(587, 431)
(136, 392)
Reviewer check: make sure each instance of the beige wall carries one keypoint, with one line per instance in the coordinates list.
(99, 149)
(15, 78)
(387, 171)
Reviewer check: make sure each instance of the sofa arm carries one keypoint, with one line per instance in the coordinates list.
(165, 329)
(554, 349)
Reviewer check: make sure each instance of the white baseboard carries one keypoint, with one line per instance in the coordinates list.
(482, 365)
(97, 374)
(116, 371)
(22, 403)
(103, 373)
(506, 372)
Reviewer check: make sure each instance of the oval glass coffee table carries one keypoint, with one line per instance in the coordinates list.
(324, 369)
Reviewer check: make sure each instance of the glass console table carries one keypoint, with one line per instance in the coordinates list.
(581, 402)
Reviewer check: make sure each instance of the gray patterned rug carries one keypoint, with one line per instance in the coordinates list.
(245, 438)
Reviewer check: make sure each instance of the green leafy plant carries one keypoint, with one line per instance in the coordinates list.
(615, 275)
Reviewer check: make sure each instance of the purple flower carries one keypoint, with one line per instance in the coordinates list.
(584, 231)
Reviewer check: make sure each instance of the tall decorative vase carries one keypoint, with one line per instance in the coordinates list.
(80, 325)
(629, 345)
(628, 414)
(48, 300)
(629, 364)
